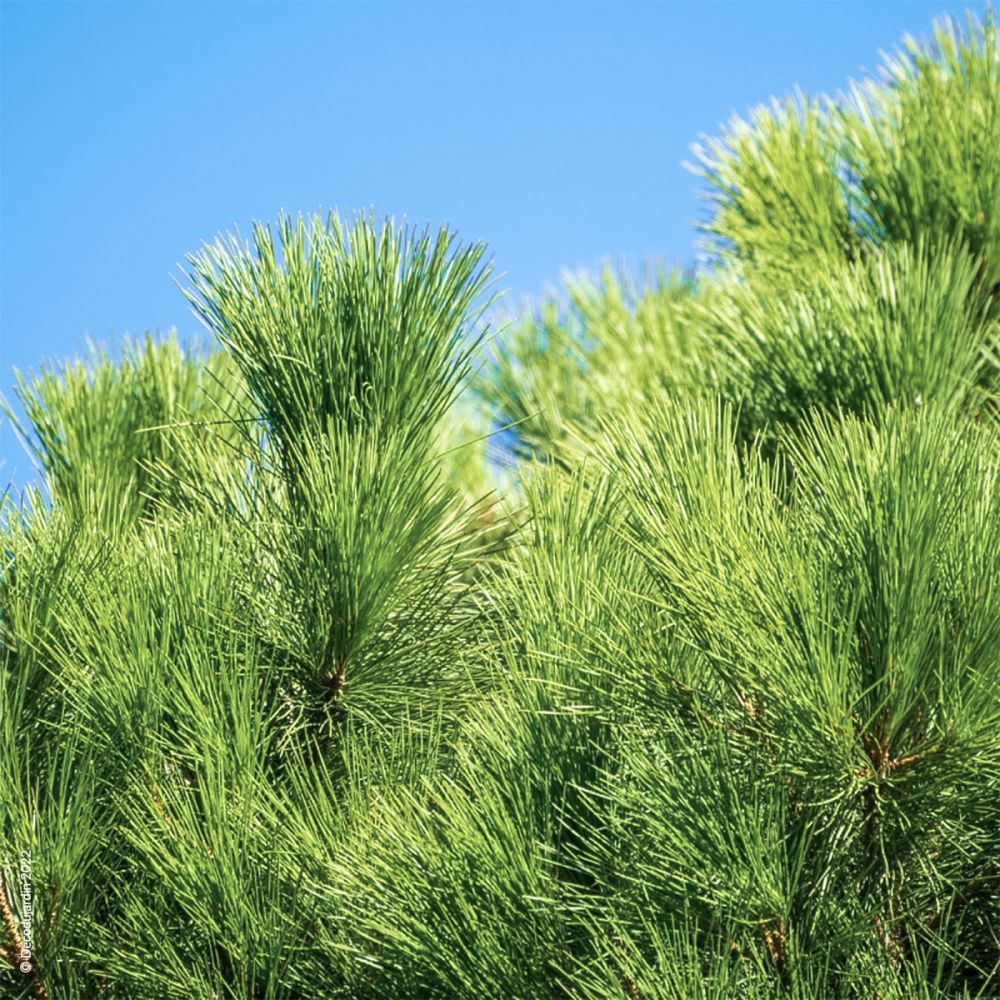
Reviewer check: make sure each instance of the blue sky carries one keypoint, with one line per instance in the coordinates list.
(133, 132)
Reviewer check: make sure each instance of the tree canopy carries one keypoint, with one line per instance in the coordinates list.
(646, 646)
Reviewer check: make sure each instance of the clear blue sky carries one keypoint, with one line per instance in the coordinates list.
(132, 132)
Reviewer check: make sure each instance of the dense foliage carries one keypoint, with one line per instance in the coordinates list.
(649, 648)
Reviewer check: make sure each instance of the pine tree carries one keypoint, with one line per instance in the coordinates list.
(686, 684)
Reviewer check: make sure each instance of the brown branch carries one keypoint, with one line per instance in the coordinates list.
(888, 766)
(746, 703)
(913, 758)
(7, 915)
(723, 725)
(335, 682)
(894, 941)
(875, 752)
(158, 802)
(13, 954)
(775, 943)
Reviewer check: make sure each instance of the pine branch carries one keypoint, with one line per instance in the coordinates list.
(14, 953)
(887, 766)
(7, 916)
(774, 941)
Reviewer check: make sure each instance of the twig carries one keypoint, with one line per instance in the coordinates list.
(746, 703)
(337, 680)
(13, 954)
(774, 940)
(876, 754)
(158, 803)
(7, 915)
(894, 941)
(888, 766)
